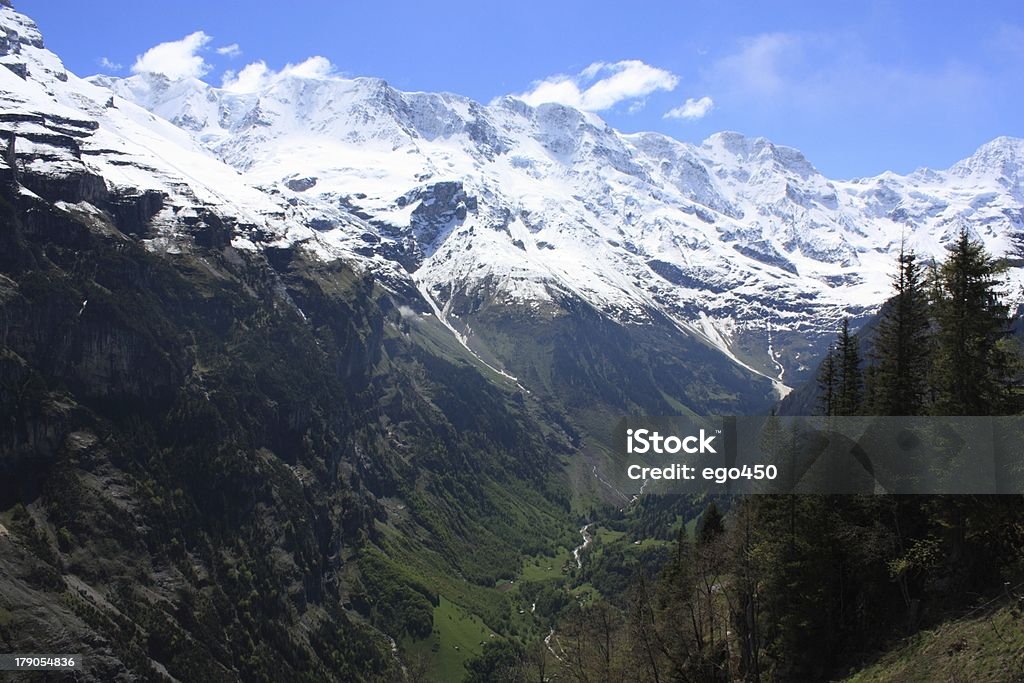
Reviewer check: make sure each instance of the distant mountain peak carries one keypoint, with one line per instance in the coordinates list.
(1002, 154)
(739, 241)
(745, 234)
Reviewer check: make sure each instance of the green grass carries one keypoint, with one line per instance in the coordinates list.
(457, 637)
(676, 405)
(650, 543)
(978, 649)
(608, 536)
(429, 568)
(586, 593)
(544, 567)
(691, 527)
(436, 338)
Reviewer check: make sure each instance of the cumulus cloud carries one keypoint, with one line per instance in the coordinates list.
(175, 59)
(314, 67)
(257, 75)
(601, 85)
(250, 79)
(109, 64)
(232, 50)
(692, 109)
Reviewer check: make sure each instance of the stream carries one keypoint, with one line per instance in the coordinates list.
(577, 555)
(587, 538)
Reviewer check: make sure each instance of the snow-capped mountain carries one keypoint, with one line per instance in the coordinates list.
(66, 137)
(738, 242)
(737, 239)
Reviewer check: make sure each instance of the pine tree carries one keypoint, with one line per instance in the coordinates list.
(827, 377)
(849, 380)
(972, 363)
(901, 357)
(710, 525)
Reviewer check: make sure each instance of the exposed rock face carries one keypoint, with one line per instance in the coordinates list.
(440, 206)
(300, 184)
(37, 140)
(132, 212)
(13, 36)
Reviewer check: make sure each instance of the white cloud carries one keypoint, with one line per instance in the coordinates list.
(251, 78)
(692, 109)
(314, 67)
(231, 50)
(637, 106)
(109, 64)
(257, 75)
(830, 72)
(601, 85)
(763, 64)
(175, 59)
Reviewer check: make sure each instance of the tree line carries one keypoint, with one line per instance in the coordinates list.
(942, 345)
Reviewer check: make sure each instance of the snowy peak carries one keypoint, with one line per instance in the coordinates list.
(1003, 154)
(78, 146)
(1001, 159)
(759, 151)
(358, 110)
(187, 102)
(523, 205)
(22, 50)
(17, 30)
(738, 241)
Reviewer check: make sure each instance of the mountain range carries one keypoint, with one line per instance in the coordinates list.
(293, 369)
(736, 242)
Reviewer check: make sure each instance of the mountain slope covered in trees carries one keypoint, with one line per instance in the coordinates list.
(216, 462)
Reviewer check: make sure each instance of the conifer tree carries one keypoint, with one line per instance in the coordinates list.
(972, 365)
(901, 353)
(827, 376)
(849, 380)
(710, 525)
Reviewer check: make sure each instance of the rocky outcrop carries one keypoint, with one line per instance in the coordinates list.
(51, 147)
(439, 207)
(132, 211)
(300, 184)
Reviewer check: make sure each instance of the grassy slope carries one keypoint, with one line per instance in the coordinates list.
(458, 636)
(979, 648)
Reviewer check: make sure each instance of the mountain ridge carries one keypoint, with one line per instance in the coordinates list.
(737, 242)
(717, 236)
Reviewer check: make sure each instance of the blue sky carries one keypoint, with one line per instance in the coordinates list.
(858, 87)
